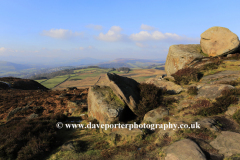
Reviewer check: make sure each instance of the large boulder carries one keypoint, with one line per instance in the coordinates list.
(221, 77)
(228, 143)
(179, 56)
(156, 114)
(126, 89)
(231, 110)
(219, 41)
(171, 87)
(184, 150)
(104, 105)
(212, 91)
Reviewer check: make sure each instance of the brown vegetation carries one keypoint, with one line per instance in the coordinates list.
(186, 75)
(228, 97)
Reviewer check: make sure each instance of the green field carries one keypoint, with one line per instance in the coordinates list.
(89, 76)
(54, 81)
(142, 79)
(79, 75)
(41, 80)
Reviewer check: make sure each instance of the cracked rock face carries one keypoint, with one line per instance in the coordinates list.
(219, 41)
(103, 105)
(126, 89)
(180, 56)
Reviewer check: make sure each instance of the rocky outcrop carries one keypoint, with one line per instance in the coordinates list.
(104, 105)
(219, 41)
(179, 56)
(172, 88)
(228, 143)
(24, 84)
(156, 114)
(221, 77)
(212, 91)
(184, 150)
(4, 85)
(126, 89)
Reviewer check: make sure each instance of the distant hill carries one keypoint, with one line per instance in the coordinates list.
(133, 60)
(25, 71)
(82, 62)
(131, 63)
(10, 67)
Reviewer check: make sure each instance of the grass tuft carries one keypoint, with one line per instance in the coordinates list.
(192, 90)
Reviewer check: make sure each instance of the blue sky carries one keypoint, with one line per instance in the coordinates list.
(51, 31)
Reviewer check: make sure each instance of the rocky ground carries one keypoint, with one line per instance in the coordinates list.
(25, 113)
(198, 89)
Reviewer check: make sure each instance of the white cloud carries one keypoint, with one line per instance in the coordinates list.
(157, 35)
(95, 27)
(112, 35)
(90, 47)
(81, 48)
(147, 27)
(145, 35)
(2, 49)
(61, 33)
(116, 29)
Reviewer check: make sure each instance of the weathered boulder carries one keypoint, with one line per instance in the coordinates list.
(217, 41)
(126, 89)
(156, 114)
(228, 143)
(104, 105)
(212, 91)
(221, 77)
(171, 87)
(179, 56)
(231, 110)
(184, 150)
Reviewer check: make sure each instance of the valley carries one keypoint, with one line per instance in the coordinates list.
(84, 78)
